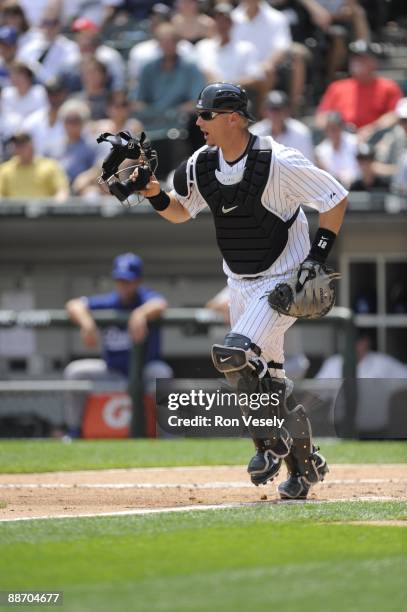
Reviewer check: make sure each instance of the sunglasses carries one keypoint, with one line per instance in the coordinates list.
(210, 115)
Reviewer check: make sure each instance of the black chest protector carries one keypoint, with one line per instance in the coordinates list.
(249, 236)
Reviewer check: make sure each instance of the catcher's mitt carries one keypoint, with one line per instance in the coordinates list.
(309, 294)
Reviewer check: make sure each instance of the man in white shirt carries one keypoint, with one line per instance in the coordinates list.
(255, 188)
(223, 58)
(45, 126)
(34, 11)
(149, 50)
(52, 51)
(266, 28)
(374, 398)
(20, 99)
(283, 128)
(269, 31)
(337, 152)
(370, 364)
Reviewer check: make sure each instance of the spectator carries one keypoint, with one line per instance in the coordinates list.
(8, 51)
(78, 154)
(330, 17)
(168, 86)
(370, 364)
(369, 180)
(45, 126)
(364, 100)
(34, 11)
(337, 153)
(95, 91)
(399, 181)
(190, 23)
(143, 305)
(268, 30)
(54, 52)
(99, 12)
(118, 120)
(393, 144)
(150, 50)
(374, 399)
(87, 37)
(327, 12)
(27, 176)
(13, 15)
(141, 9)
(223, 58)
(283, 128)
(118, 116)
(21, 98)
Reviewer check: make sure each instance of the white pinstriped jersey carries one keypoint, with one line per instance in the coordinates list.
(293, 181)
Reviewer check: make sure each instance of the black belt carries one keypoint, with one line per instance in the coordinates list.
(252, 277)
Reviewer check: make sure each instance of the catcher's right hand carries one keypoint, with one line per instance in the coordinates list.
(309, 294)
(149, 190)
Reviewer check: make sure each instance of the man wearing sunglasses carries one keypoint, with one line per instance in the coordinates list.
(255, 188)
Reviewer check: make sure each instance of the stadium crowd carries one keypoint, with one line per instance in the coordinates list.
(71, 69)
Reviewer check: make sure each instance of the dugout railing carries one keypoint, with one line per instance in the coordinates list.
(192, 320)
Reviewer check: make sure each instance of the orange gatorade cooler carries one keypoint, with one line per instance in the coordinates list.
(107, 415)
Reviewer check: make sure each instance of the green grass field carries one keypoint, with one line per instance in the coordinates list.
(306, 557)
(227, 560)
(51, 455)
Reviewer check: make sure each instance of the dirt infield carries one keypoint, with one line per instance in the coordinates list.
(95, 492)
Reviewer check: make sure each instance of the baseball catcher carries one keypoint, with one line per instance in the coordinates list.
(255, 189)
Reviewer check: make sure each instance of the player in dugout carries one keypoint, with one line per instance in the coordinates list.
(144, 306)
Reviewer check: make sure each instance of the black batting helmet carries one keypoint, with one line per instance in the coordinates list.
(224, 96)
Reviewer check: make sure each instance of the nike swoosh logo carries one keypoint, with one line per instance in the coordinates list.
(222, 360)
(226, 210)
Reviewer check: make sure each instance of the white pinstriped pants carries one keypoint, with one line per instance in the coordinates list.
(251, 316)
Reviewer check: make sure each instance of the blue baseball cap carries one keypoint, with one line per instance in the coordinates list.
(127, 267)
(8, 35)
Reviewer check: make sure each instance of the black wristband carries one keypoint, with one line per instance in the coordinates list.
(322, 245)
(161, 201)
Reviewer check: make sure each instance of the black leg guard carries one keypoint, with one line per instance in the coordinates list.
(272, 445)
(276, 439)
(248, 376)
(303, 459)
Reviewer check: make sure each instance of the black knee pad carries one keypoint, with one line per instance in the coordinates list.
(232, 359)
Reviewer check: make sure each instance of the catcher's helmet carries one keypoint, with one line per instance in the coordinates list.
(224, 96)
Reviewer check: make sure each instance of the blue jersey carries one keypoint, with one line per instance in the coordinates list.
(116, 340)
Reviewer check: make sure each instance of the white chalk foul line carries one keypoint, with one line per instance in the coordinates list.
(195, 508)
(197, 486)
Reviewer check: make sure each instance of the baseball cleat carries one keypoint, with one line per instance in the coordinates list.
(320, 464)
(263, 467)
(296, 487)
